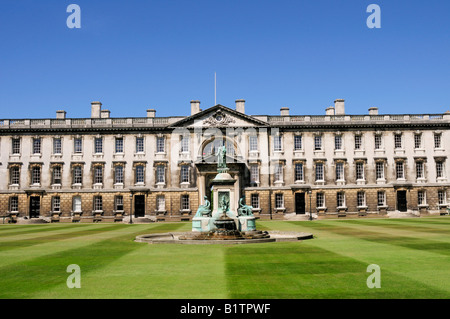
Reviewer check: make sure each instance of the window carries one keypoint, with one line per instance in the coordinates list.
(98, 175)
(140, 174)
(161, 203)
(442, 200)
(279, 201)
(56, 175)
(359, 171)
(119, 144)
(399, 168)
(298, 142)
(278, 173)
(419, 170)
(320, 200)
(57, 146)
(37, 145)
(398, 140)
(277, 143)
(253, 143)
(118, 174)
(98, 145)
(319, 172)
(184, 144)
(160, 174)
(255, 200)
(299, 172)
(338, 142)
(36, 175)
(16, 146)
(56, 204)
(98, 203)
(361, 199)
(421, 199)
(358, 142)
(185, 202)
(378, 142)
(339, 171)
(139, 145)
(118, 203)
(381, 198)
(417, 140)
(160, 147)
(379, 170)
(254, 173)
(76, 204)
(437, 140)
(14, 204)
(77, 175)
(439, 169)
(340, 199)
(317, 142)
(78, 145)
(15, 175)
(185, 173)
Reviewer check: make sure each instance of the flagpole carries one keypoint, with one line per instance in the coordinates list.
(215, 89)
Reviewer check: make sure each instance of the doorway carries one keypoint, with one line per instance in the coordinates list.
(300, 206)
(35, 206)
(139, 206)
(401, 201)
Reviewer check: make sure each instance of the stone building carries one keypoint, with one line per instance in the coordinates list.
(333, 165)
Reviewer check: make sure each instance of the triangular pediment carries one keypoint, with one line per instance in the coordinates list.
(219, 116)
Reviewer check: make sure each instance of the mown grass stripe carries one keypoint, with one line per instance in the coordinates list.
(21, 254)
(37, 275)
(28, 229)
(67, 233)
(305, 270)
(427, 268)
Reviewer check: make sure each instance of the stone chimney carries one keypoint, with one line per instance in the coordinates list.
(195, 107)
(373, 111)
(105, 114)
(151, 113)
(329, 110)
(96, 108)
(240, 106)
(284, 111)
(60, 115)
(339, 107)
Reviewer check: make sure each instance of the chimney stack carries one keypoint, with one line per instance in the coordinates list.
(329, 110)
(339, 107)
(373, 111)
(284, 111)
(240, 106)
(60, 115)
(195, 107)
(104, 114)
(96, 108)
(151, 113)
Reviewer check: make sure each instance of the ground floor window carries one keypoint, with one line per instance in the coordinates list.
(381, 198)
(255, 200)
(76, 204)
(14, 204)
(279, 201)
(119, 202)
(161, 203)
(185, 202)
(98, 203)
(56, 204)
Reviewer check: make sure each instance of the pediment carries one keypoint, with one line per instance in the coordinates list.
(219, 116)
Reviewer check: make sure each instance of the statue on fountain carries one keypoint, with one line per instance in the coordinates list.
(204, 210)
(221, 158)
(244, 210)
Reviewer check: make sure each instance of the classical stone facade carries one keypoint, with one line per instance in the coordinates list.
(335, 165)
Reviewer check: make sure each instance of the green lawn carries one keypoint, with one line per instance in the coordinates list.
(413, 255)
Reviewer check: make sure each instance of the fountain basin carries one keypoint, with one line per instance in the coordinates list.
(247, 238)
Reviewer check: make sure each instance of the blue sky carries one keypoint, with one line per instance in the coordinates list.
(134, 55)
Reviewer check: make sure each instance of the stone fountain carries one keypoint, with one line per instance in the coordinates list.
(230, 221)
